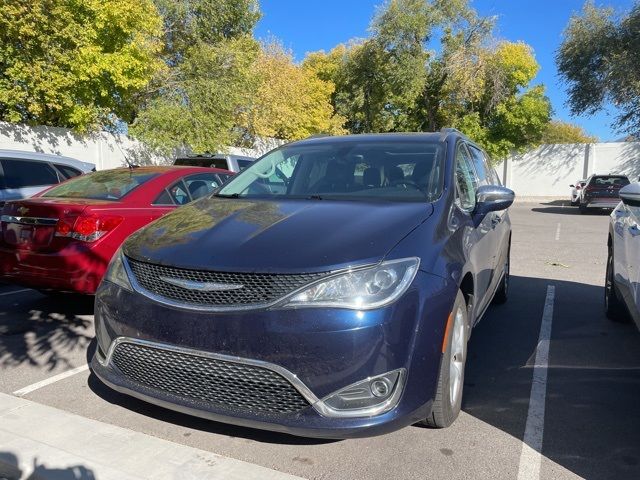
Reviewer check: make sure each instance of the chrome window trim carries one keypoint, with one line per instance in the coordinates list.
(255, 306)
(319, 405)
(29, 220)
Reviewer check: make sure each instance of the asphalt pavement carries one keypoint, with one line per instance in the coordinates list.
(581, 419)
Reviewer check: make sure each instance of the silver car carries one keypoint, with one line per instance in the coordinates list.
(23, 174)
(622, 283)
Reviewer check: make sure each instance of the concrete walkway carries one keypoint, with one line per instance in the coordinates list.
(44, 443)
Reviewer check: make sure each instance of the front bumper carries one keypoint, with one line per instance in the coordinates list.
(324, 350)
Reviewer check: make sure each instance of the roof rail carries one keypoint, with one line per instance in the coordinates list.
(450, 130)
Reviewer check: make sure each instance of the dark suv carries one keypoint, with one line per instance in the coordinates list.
(602, 191)
(327, 290)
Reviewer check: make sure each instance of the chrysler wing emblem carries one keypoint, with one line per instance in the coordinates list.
(202, 286)
(22, 210)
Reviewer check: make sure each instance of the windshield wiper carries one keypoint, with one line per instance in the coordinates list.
(230, 195)
(315, 197)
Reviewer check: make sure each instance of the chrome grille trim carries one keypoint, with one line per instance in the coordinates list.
(51, 222)
(304, 281)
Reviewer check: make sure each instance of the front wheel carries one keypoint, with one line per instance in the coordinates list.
(502, 293)
(448, 400)
(613, 306)
(583, 209)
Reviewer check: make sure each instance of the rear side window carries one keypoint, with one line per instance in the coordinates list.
(466, 180)
(28, 173)
(201, 184)
(242, 164)
(202, 162)
(67, 171)
(103, 185)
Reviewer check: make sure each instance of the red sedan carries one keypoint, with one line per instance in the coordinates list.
(62, 239)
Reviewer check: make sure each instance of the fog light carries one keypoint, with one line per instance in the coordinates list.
(372, 396)
(380, 387)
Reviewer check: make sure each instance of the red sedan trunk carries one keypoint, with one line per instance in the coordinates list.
(65, 244)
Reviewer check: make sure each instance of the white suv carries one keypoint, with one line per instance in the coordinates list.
(23, 174)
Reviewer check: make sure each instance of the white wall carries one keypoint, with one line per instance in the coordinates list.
(549, 169)
(103, 149)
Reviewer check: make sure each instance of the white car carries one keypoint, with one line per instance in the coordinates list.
(233, 163)
(576, 190)
(622, 284)
(23, 174)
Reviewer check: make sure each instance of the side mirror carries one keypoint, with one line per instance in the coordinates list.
(630, 194)
(492, 198)
(572, 186)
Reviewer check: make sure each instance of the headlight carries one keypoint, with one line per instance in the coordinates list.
(116, 272)
(362, 289)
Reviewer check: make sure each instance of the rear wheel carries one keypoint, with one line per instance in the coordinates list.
(583, 209)
(613, 306)
(448, 400)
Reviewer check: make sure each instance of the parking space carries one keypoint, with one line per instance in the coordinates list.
(585, 406)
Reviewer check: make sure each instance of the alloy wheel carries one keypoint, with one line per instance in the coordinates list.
(458, 353)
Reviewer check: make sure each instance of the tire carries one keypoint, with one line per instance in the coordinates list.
(448, 400)
(583, 209)
(614, 307)
(502, 293)
(574, 203)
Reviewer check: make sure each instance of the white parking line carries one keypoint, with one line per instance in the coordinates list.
(558, 232)
(531, 457)
(48, 381)
(15, 291)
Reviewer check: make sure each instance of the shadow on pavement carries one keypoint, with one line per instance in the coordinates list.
(42, 330)
(563, 207)
(592, 420)
(10, 470)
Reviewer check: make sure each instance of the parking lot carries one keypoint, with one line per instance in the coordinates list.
(587, 417)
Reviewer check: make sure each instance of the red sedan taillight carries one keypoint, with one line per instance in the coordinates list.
(87, 228)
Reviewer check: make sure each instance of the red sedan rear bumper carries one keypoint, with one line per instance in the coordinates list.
(72, 269)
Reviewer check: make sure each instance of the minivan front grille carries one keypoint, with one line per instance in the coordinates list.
(245, 289)
(220, 383)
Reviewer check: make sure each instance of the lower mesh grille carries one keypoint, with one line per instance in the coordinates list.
(218, 382)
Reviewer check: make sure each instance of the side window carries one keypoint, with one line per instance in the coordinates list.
(201, 184)
(179, 193)
(242, 164)
(27, 173)
(163, 199)
(466, 180)
(480, 164)
(67, 171)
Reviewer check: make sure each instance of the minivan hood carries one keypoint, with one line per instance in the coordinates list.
(275, 236)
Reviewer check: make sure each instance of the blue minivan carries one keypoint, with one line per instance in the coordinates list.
(328, 290)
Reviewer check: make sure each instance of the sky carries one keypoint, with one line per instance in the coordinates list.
(307, 25)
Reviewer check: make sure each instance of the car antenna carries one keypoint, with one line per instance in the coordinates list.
(126, 159)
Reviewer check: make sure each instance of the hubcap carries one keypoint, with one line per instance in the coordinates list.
(458, 352)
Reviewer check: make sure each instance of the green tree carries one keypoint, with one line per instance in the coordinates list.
(599, 59)
(209, 53)
(557, 132)
(292, 101)
(76, 64)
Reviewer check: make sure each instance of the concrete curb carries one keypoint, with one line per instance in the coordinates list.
(41, 442)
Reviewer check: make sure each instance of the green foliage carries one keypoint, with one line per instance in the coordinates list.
(208, 83)
(196, 103)
(557, 132)
(393, 82)
(599, 59)
(76, 64)
(292, 101)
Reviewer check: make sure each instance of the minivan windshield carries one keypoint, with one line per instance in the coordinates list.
(346, 170)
